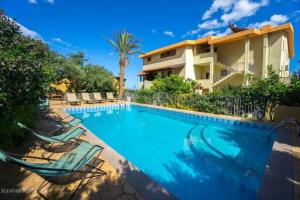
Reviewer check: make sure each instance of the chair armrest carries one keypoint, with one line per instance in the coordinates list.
(53, 131)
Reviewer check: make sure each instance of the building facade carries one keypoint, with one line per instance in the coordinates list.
(217, 61)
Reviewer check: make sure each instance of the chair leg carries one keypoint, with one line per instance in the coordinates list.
(44, 183)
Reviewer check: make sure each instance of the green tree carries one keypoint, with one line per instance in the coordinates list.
(76, 75)
(125, 44)
(77, 58)
(84, 77)
(25, 76)
(98, 79)
(293, 91)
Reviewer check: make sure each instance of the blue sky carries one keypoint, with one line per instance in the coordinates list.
(69, 26)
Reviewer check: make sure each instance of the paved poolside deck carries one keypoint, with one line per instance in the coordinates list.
(124, 181)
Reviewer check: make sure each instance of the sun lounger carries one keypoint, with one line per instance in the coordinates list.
(72, 99)
(73, 133)
(86, 98)
(80, 160)
(62, 124)
(110, 96)
(97, 97)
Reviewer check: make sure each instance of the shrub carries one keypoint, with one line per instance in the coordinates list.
(144, 96)
(173, 85)
(24, 79)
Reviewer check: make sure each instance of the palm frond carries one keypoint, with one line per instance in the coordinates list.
(125, 43)
(136, 52)
(111, 42)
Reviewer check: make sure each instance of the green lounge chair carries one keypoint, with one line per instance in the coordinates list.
(86, 98)
(110, 96)
(71, 162)
(60, 124)
(66, 140)
(72, 98)
(62, 138)
(97, 97)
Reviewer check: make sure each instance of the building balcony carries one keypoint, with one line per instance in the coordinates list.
(203, 58)
(165, 64)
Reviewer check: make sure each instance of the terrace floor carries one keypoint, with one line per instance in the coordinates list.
(114, 185)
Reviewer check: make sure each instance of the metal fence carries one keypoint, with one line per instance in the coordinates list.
(229, 105)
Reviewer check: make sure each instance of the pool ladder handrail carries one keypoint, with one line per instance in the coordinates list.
(285, 121)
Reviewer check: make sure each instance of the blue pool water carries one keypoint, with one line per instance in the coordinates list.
(193, 157)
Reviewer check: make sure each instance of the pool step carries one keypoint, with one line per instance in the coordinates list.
(224, 167)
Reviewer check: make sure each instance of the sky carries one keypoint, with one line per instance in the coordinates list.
(68, 26)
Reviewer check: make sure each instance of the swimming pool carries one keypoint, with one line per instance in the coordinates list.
(192, 156)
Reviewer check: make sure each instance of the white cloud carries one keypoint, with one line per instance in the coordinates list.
(192, 32)
(210, 24)
(153, 31)
(279, 19)
(224, 5)
(242, 9)
(32, 1)
(226, 32)
(28, 33)
(232, 11)
(50, 1)
(60, 41)
(295, 15)
(274, 20)
(111, 54)
(264, 2)
(209, 33)
(169, 33)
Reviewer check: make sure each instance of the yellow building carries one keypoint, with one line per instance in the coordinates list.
(216, 61)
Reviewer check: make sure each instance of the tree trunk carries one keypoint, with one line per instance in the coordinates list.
(121, 78)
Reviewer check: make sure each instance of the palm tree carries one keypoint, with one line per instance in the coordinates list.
(125, 44)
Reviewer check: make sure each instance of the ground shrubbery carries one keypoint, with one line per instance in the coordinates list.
(176, 92)
(260, 98)
(267, 94)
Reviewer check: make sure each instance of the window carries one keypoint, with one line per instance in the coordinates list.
(204, 48)
(168, 53)
(287, 68)
(141, 78)
(149, 59)
(151, 76)
(207, 75)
